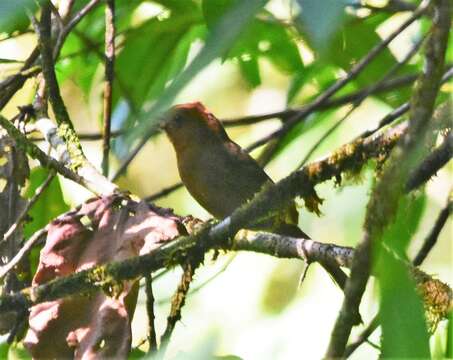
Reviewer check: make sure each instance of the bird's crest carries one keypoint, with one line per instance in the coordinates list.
(198, 110)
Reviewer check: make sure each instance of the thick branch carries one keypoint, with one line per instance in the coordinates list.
(293, 248)
(99, 277)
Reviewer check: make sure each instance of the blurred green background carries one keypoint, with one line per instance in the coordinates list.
(281, 56)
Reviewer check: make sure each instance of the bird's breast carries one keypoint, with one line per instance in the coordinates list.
(215, 181)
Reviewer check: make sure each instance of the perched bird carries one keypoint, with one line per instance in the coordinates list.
(216, 171)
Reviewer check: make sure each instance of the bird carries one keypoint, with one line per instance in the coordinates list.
(217, 172)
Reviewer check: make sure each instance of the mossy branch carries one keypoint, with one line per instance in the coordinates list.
(389, 189)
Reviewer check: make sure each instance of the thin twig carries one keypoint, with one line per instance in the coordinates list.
(12, 84)
(164, 192)
(206, 282)
(432, 163)
(71, 24)
(108, 81)
(152, 339)
(178, 301)
(404, 108)
(36, 153)
(58, 106)
(363, 337)
(286, 114)
(32, 241)
(352, 74)
(393, 70)
(124, 165)
(125, 93)
(432, 237)
(29, 205)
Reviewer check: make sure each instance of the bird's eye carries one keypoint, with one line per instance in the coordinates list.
(178, 120)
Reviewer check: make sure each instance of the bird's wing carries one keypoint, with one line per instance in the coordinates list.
(252, 170)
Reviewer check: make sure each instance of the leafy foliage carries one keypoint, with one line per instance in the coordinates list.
(401, 309)
(13, 15)
(158, 52)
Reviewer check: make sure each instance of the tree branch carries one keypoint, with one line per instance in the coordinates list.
(152, 339)
(177, 303)
(358, 101)
(78, 161)
(173, 253)
(428, 244)
(431, 164)
(352, 74)
(27, 208)
(286, 114)
(431, 239)
(36, 153)
(108, 81)
(390, 186)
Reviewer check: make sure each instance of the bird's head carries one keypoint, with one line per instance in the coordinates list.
(190, 123)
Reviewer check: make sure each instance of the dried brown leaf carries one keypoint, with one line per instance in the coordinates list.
(96, 326)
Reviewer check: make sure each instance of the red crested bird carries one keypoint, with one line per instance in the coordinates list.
(219, 174)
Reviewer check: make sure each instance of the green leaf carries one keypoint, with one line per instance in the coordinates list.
(260, 38)
(399, 234)
(213, 10)
(18, 352)
(13, 15)
(277, 45)
(178, 5)
(298, 81)
(317, 73)
(4, 348)
(136, 353)
(155, 54)
(250, 70)
(80, 68)
(404, 332)
(449, 333)
(87, 41)
(220, 38)
(353, 41)
(49, 205)
(321, 19)
(10, 61)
